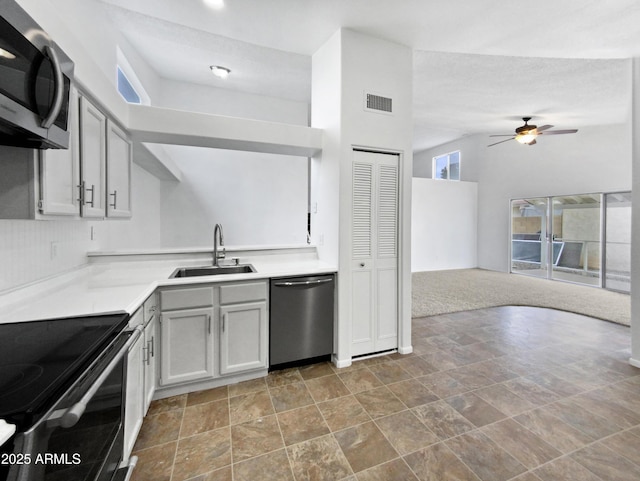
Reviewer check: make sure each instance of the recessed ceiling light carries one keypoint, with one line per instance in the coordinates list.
(219, 71)
(217, 4)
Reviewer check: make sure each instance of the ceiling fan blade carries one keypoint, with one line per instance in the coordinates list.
(507, 140)
(501, 135)
(555, 132)
(544, 127)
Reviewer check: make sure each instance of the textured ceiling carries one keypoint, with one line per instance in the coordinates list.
(478, 66)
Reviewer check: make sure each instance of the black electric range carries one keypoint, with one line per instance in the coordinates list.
(39, 360)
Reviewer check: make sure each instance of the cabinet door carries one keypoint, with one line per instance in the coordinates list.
(60, 171)
(149, 363)
(92, 159)
(243, 337)
(374, 294)
(118, 172)
(187, 346)
(134, 412)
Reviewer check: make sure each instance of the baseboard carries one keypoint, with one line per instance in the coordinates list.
(405, 350)
(634, 362)
(341, 362)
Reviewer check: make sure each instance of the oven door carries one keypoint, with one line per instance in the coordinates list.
(81, 437)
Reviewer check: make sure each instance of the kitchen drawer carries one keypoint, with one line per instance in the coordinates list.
(150, 307)
(186, 298)
(137, 319)
(245, 292)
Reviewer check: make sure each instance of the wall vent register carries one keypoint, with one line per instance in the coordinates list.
(378, 103)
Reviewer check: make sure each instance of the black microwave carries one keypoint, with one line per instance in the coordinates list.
(35, 81)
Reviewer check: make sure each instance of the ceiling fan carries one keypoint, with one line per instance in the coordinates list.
(526, 134)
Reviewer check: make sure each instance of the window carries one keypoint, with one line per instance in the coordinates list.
(127, 90)
(128, 83)
(447, 166)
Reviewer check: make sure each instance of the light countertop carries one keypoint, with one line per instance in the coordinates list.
(112, 282)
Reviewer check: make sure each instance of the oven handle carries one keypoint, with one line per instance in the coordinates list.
(59, 87)
(75, 412)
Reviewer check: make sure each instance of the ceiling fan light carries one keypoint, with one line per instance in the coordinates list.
(526, 138)
(217, 4)
(219, 71)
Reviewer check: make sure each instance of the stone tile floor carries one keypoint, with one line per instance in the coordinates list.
(508, 393)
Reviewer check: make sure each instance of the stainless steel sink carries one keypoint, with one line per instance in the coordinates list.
(211, 270)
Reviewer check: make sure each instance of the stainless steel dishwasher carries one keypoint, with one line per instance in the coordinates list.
(301, 320)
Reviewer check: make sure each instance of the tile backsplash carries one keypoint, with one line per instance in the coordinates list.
(34, 250)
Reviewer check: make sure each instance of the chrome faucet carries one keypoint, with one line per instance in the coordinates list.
(218, 235)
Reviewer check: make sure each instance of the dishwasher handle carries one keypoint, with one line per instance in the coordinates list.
(302, 283)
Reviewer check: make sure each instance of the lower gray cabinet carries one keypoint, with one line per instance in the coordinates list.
(211, 331)
(187, 346)
(149, 361)
(141, 372)
(243, 337)
(134, 408)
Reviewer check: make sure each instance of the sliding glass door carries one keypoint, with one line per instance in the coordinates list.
(617, 259)
(583, 238)
(529, 236)
(577, 228)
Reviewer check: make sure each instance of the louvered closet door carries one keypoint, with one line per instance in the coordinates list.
(374, 252)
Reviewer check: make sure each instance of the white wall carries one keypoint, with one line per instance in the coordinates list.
(635, 216)
(143, 229)
(26, 251)
(422, 162)
(200, 98)
(326, 78)
(260, 199)
(444, 225)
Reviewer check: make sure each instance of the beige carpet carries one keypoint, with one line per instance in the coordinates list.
(440, 292)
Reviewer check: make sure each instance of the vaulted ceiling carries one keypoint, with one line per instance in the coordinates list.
(478, 66)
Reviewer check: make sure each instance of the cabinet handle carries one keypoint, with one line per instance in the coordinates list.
(114, 195)
(153, 344)
(81, 193)
(145, 355)
(93, 192)
(362, 264)
(147, 360)
(302, 283)
(209, 323)
(224, 321)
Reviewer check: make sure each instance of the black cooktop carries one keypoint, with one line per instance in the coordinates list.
(39, 360)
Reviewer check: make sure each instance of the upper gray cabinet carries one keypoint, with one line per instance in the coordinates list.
(93, 152)
(91, 179)
(118, 172)
(42, 184)
(105, 165)
(60, 171)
